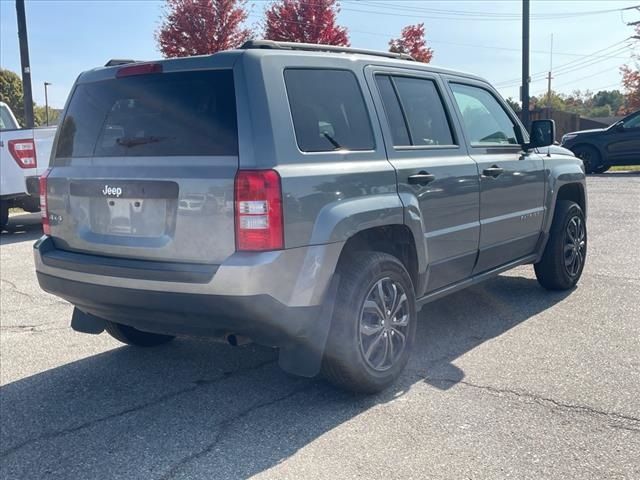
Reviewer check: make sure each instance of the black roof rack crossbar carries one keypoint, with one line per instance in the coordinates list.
(119, 61)
(313, 47)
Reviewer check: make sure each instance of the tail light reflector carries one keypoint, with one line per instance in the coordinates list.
(258, 210)
(23, 152)
(44, 209)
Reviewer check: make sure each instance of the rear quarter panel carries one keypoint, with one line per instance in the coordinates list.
(328, 196)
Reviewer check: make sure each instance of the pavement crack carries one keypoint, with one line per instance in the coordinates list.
(15, 288)
(223, 428)
(35, 298)
(547, 401)
(35, 328)
(156, 401)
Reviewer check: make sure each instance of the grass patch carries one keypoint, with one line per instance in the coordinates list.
(625, 168)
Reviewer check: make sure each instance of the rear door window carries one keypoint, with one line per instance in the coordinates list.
(415, 111)
(328, 110)
(165, 114)
(428, 124)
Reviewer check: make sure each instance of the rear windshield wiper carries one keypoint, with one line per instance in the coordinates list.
(332, 140)
(135, 141)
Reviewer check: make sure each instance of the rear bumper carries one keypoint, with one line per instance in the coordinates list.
(274, 300)
(258, 317)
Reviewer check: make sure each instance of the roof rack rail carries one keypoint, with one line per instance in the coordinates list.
(314, 47)
(119, 61)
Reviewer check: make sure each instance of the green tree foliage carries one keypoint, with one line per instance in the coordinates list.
(11, 94)
(40, 115)
(605, 103)
(613, 98)
(514, 104)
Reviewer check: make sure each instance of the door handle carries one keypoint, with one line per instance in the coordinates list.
(421, 178)
(493, 171)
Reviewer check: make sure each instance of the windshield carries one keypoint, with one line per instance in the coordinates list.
(184, 113)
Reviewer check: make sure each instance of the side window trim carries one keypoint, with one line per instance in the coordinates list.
(402, 110)
(517, 127)
(416, 75)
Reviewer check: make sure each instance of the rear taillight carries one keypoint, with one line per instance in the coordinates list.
(23, 152)
(44, 209)
(258, 210)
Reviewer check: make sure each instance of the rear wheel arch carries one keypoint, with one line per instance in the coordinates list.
(396, 240)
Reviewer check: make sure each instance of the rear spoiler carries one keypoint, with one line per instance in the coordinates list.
(119, 61)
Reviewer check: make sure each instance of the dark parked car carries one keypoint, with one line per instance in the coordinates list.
(601, 148)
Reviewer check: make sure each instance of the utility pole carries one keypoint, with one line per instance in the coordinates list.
(549, 77)
(26, 67)
(46, 101)
(525, 63)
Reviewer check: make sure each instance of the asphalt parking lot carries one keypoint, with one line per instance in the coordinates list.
(507, 381)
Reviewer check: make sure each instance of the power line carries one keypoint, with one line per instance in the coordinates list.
(444, 42)
(576, 64)
(473, 15)
(600, 72)
(497, 14)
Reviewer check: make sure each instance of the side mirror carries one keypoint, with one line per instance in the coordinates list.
(619, 127)
(542, 133)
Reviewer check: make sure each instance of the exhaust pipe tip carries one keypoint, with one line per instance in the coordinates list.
(236, 340)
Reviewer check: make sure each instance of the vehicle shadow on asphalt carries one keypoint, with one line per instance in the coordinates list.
(21, 228)
(195, 409)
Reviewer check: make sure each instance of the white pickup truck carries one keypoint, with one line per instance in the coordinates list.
(24, 156)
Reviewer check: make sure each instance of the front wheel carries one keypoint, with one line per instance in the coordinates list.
(564, 256)
(374, 323)
(133, 336)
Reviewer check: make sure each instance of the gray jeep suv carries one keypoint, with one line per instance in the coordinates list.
(306, 197)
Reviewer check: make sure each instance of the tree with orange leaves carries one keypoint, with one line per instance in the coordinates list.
(201, 27)
(412, 41)
(631, 81)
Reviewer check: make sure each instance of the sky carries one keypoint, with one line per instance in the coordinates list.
(69, 36)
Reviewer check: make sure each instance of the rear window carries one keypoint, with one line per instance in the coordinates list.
(328, 110)
(183, 113)
(6, 122)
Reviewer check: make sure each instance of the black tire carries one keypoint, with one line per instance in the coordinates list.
(590, 157)
(553, 272)
(345, 363)
(601, 169)
(31, 204)
(4, 215)
(133, 336)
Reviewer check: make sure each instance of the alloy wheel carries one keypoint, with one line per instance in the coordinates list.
(384, 323)
(575, 245)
